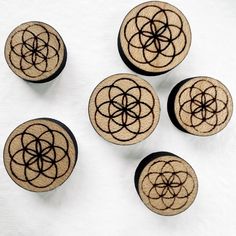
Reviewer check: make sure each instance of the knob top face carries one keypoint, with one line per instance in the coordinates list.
(124, 109)
(40, 154)
(203, 106)
(166, 184)
(154, 38)
(35, 52)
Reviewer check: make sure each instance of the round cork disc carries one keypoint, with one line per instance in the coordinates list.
(35, 52)
(154, 38)
(166, 184)
(39, 155)
(124, 109)
(200, 106)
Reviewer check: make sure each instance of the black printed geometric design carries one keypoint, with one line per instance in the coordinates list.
(168, 185)
(35, 54)
(124, 109)
(39, 159)
(155, 37)
(203, 106)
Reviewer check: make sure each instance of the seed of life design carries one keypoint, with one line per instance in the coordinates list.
(168, 185)
(126, 110)
(40, 156)
(157, 37)
(205, 106)
(35, 51)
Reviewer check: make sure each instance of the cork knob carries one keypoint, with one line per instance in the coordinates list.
(166, 183)
(124, 109)
(35, 52)
(39, 155)
(154, 38)
(200, 106)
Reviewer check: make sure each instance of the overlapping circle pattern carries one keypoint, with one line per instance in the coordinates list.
(203, 106)
(34, 50)
(155, 36)
(168, 185)
(124, 109)
(39, 159)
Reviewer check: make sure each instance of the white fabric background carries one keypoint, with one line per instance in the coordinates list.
(99, 198)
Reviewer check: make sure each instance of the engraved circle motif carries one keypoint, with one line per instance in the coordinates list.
(125, 109)
(40, 156)
(168, 185)
(154, 37)
(203, 106)
(34, 51)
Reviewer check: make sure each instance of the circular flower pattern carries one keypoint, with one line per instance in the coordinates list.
(124, 109)
(39, 155)
(203, 106)
(156, 36)
(34, 49)
(168, 186)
